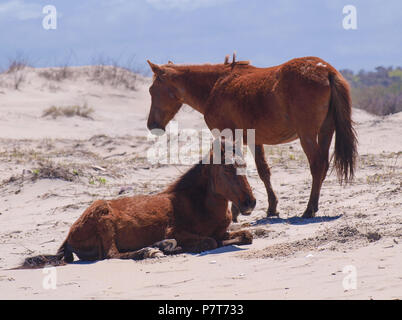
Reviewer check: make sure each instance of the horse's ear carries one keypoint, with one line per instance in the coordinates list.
(163, 72)
(155, 68)
(170, 62)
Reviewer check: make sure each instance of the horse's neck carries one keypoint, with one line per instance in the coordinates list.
(194, 187)
(197, 83)
(215, 204)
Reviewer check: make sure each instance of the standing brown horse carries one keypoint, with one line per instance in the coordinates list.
(304, 98)
(192, 214)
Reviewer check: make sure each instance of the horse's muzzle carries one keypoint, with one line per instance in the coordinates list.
(247, 206)
(156, 129)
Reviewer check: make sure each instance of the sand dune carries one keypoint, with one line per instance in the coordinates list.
(51, 169)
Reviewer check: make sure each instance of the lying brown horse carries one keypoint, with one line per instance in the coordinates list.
(192, 213)
(304, 98)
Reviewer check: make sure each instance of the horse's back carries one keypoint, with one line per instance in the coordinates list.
(305, 91)
(310, 69)
(248, 100)
(248, 82)
(273, 100)
(131, 222)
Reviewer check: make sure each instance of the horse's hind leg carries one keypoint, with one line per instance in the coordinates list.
(158, 249)
(324, 141)
(317, 154)
(168, 246)
(141, 254)
(265, 175)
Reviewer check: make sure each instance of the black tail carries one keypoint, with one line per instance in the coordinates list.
(345, 136)
(63, 256)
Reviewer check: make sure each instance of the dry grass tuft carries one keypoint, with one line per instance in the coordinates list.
(50, 170)
(16, 68)
(69, 111)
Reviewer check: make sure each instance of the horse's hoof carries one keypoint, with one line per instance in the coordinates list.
(308, 214)
(245, 237)
(271, 213)
(166, 245)
(153, 253)
(176, 250)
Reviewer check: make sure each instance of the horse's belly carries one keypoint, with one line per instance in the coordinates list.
(140, 221)
(274, 129)
(273, 138)
(130, 238)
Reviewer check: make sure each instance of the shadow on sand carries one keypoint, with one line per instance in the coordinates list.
(295, 220)
(83, 262)
(220, 250)
(231, 248)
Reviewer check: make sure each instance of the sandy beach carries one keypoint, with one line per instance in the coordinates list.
(53, 167)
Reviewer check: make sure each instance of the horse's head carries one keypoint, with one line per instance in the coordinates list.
(229, 180)
(166, 99)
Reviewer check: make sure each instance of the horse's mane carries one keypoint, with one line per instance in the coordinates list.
(234, 62)
(212, 65)
(189, 179)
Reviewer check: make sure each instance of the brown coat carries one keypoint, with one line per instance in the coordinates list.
(192, 213)
(303, 98)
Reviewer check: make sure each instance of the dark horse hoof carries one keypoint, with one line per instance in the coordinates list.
(309, 213)
(271, 213)
(168, 246)
(148, 252)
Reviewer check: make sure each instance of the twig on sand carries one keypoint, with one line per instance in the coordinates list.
(115, 155)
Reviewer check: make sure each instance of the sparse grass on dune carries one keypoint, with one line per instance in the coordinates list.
(50, 170)
(114, 73)
(69, 111)
(16, 69)
(56, 74)
(114, 76)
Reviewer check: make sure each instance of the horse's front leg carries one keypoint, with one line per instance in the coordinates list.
(265, 175)
(194, 243)
(241, 237)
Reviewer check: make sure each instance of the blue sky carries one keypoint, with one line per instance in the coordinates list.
(196, 31)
